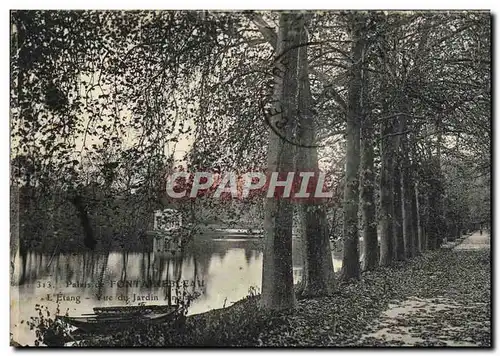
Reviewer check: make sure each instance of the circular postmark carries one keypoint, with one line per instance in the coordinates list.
(279, 98)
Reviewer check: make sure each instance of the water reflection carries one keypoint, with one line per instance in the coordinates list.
(222, 270)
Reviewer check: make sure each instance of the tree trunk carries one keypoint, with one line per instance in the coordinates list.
(426, 223)
(318, 275)
(435, 204)
(387, 156)
(14, 188)
(407, 193)
(386, 199)
(89, 239)
(370, 238)
(367, 187)
(14, 228)
(407, 190)
(25, 191)
(459, 230)
(399, 243)
(350, 261)
(432, 228)
(415, 219)
(440, 226)
(277, 275)
(420, 228)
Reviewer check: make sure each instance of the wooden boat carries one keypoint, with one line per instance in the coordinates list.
(115, 318)
(133, 309)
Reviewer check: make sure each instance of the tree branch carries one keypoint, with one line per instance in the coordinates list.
(271, 36)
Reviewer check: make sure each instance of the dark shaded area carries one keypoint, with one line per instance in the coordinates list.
(89, 239)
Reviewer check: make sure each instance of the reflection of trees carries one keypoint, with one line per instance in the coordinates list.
(69, 270)
(100, 284)
(167, 292)
(124, 265)
(92, 267)
(248, 256)
(88, 263)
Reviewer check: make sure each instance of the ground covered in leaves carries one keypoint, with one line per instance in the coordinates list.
(448, 292)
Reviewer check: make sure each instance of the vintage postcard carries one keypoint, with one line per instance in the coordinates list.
(250, 178)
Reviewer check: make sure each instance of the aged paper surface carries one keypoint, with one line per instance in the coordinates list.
(256, 178)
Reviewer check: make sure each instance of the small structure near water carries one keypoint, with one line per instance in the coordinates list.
(167, 231)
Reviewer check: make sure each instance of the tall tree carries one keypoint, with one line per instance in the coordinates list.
(399, 243)
(277, 278)
(367, 177)
(387, 154)
(318, 276)
(350, 260)
(407, 195)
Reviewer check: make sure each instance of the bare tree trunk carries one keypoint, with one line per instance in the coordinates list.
(24, 191)
(14, 228)
(431, 224)
(440, 226)
(399, 243)
(407, 193)
(420, 228)
(434, 204)
(426, 224)
(350, 261)
(387, 157)
(14, 188)
(386, 199)
(370, 238)
(415, 219)
(318, 275)
(277, 275)
(407, 190)
(367, 187)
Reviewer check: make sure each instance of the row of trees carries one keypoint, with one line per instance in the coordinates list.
(395, 105)
(416, 102)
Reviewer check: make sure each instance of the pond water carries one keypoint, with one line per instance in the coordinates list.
(222, 270)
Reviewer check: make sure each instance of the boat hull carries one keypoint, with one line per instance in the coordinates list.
(114, 319)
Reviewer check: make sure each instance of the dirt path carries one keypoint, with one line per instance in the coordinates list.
(438, 321)
(476, 241)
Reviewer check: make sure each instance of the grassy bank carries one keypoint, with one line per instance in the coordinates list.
(339, 320)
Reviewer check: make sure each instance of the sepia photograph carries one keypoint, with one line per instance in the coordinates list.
(250, 179)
